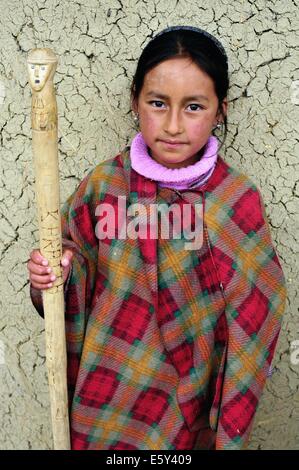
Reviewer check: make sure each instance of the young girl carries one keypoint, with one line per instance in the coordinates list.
(169, 343)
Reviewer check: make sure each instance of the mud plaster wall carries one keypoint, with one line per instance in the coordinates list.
(98, 43)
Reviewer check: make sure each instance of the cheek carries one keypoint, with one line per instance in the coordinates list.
(45, 74)
(203, 124)
(148, 122)
(199, 129)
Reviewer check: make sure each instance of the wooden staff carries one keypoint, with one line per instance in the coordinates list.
(42, 65)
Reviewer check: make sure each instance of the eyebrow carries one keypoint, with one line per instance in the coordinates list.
(187, 98)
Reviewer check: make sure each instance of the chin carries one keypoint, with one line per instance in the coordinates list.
(175, 164)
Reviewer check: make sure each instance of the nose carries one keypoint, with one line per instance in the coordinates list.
(36, 71)
(173, 122)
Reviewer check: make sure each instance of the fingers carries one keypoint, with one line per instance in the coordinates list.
(37, 258)
(41, 275)
(42, 282)
(67, 257)
(66, 263)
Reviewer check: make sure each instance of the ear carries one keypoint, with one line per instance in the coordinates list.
(224, 107)
(134, 105)
(222, 111)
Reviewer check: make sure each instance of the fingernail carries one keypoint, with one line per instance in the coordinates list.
(65, 262)
(52, 278)
(44, 262)
(49, 270)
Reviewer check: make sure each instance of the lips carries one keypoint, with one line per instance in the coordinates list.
(172, 144)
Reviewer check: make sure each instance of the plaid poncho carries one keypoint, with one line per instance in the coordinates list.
(169, 348)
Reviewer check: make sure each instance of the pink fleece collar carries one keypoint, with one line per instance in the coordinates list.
(177, 178)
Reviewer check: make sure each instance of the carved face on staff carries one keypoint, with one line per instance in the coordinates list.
(38, 75)
(41, 65)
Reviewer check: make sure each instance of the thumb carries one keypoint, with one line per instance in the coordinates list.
(67, 257)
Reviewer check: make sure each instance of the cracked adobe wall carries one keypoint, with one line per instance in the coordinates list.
(98, 43)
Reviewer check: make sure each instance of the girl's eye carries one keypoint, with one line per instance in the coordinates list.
(43, 68)
(157, 104)
(32, 66)
(194, 107)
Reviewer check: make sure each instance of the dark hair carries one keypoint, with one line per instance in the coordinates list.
(186, 41)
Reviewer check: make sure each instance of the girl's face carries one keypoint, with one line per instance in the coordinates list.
(178, 108)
